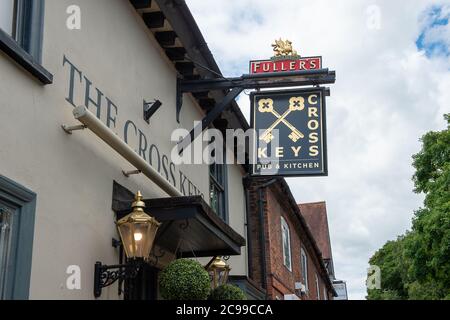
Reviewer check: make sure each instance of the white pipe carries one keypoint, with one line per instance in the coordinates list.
(103, 132)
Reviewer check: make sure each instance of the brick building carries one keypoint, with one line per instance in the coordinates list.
(316, 217)
(284, 257)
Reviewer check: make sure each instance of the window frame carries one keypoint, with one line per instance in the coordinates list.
(304, 267)
(222, 186)
(285, 226)
(317, 286)
(22, 202)
(26, 46)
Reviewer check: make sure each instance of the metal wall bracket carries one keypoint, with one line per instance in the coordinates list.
(105, 276)
(69, 129)
(179, 98)
(131, 172)
(236, 85)
(150, 108)
(210, 117)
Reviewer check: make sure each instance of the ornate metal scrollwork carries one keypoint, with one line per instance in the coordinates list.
(154, 257)
(184, 225)
(105, 277)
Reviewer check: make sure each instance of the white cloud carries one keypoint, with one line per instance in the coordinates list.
(387, 94)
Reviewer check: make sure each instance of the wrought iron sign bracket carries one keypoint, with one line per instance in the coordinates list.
(238, 84)
(210, 117)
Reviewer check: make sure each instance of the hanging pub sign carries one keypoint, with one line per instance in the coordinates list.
(290, 132)
(290, 127)
(286, 59)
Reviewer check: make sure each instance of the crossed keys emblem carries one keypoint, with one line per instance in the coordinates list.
(266, 106)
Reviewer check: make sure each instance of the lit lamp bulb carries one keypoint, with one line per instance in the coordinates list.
(138, 236)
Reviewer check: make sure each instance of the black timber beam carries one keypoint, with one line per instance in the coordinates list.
(265, 80)
(207, 103)
(166, 38)
(255, 81)
(141, 4)
(185, 68)
(183, 23)
(201, 95)
(192, 77)
(154, 20)
(220, 124)
(176, 54)
(210, 117)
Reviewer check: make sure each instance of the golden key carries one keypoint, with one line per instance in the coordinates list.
(295, 104)
(295, 134)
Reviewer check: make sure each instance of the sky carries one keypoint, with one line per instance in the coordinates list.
(392, 60)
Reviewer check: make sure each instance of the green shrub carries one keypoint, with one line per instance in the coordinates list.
(184, 279)
(227, 292)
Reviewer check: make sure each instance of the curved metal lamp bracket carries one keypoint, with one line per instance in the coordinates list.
(104, 276)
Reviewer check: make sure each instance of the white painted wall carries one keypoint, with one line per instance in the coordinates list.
(73, 174)
(237, 219)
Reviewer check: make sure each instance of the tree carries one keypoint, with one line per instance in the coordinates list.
(430, 246)
(393, 266)
(417, 265)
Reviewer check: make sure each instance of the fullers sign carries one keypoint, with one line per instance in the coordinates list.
(290, 132)
(286, 59)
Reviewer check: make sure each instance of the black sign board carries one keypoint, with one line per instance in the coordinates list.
(290, 132)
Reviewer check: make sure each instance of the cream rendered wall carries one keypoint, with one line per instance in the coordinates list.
(237, 218)
(73, 174)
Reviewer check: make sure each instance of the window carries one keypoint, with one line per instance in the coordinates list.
(5, 247)
(286, 242)
(317, 287)
(7, 16)
(21, 32)
(218, 190)
(17, 210)
(304, 265)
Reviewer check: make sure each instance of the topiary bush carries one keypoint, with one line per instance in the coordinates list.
(184, 279)
(227, 292)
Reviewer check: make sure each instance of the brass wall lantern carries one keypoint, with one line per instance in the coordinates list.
(137, 232)
(218, 270)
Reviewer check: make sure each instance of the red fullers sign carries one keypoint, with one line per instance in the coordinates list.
(285, 65)
(285, 59)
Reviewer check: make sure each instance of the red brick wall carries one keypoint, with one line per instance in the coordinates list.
(280, 280)
(253, 225)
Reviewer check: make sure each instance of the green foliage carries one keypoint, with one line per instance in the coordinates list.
(184, 279)
(417, 266)
(424, 291)
(394, 265)
(375, 294)
(433, 159)
(227, 292)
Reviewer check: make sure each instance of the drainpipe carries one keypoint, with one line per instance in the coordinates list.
(261, 228)
(247, 219)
